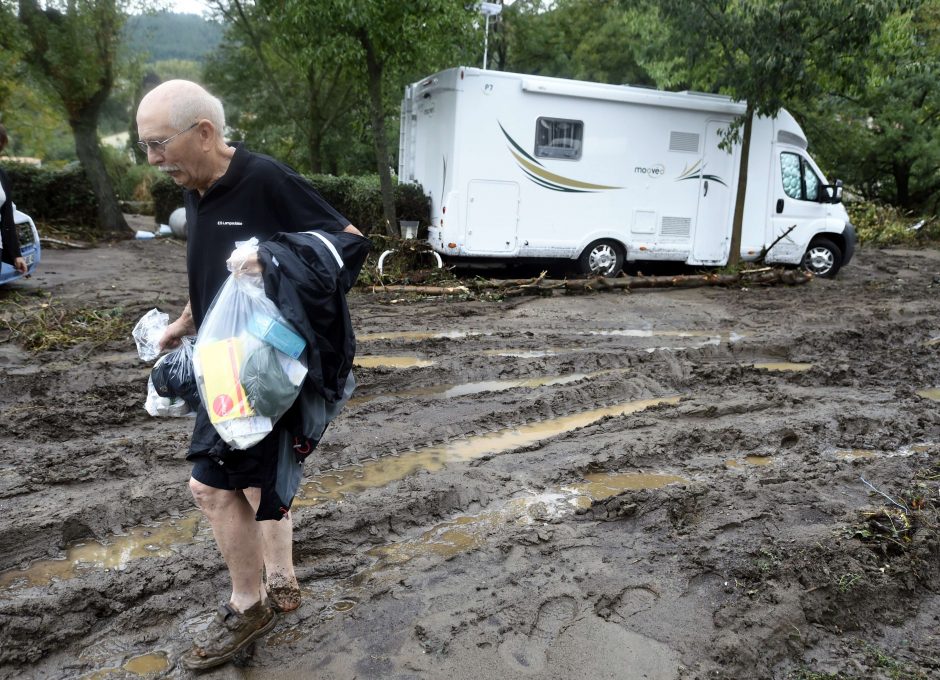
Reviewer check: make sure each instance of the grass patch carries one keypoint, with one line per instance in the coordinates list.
(41, 326)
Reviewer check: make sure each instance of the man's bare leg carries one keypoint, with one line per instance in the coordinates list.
(238, 537)
(277, 541)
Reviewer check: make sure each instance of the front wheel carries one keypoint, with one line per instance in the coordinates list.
(822, 258)
(601, 258)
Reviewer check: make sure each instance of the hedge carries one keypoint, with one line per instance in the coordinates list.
(50, 195)
(65, 195)
(359, 198)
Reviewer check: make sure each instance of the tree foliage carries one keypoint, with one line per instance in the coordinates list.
(348, 58)
(72, 49)
(771, 53)
(884, 134)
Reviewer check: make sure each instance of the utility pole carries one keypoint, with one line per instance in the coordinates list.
(489, 9)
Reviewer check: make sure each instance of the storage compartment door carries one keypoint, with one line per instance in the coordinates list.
(492, 217)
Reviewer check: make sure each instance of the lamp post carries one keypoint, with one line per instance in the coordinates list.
(489, 9)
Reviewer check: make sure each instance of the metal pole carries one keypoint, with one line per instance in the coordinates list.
(486, 36)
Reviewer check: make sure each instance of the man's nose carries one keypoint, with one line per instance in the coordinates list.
(154, 156)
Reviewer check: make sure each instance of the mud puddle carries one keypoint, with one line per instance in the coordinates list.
(466, 389)
(338, 484)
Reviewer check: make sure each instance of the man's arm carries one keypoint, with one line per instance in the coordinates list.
(174, 333)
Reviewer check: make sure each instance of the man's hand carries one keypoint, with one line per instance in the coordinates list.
(19, 264)
(244, 259)
(243, 265)
(175, 332)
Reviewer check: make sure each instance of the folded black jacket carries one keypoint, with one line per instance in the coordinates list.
(307, 275)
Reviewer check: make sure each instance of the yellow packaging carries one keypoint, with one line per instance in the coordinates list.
(221, 365)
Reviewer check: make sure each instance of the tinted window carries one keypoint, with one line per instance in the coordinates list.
(558, 138)
(799, 180)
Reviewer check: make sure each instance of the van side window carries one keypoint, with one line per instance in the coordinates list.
(558, 138)
(799, 180)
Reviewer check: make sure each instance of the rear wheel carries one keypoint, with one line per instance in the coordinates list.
(822, 258)
(601, 258)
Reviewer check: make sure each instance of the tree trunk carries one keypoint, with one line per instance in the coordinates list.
(85, 130)
(734, 256)
(314, 136)
(902, 184)
(377, 112)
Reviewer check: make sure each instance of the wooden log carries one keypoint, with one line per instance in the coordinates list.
(422, 290)
(536, 286)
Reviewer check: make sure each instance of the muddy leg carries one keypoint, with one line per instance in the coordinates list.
(238, 537)
(277, 539)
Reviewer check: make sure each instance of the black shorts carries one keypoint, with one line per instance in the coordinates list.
(244, 474)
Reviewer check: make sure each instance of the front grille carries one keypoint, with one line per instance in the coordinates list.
(25, 234)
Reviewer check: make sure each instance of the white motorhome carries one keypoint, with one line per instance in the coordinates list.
(527, 166)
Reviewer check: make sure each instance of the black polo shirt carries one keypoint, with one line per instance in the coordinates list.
(257, 196)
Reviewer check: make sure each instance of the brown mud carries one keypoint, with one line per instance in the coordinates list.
(708, 483)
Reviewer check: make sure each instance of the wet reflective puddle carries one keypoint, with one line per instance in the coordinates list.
(933, 394)
(376, 361)
(852, 454)
(602, 485)
(783, 366)
(140, 542)
(143, 665)
(335, 484)
(526, 353)
(467, 532)
(464, 389)
(750, 460)
(418, 335)
(722, 336)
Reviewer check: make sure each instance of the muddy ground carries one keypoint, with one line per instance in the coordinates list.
(600, 486)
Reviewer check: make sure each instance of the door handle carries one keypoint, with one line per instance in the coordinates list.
(706, 188)
(779, 205)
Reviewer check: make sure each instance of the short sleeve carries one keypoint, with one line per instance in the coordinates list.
(302, 208)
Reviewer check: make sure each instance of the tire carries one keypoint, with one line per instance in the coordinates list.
(822, 258)
(601, 258)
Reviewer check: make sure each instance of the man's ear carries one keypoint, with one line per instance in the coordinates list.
(206, 132)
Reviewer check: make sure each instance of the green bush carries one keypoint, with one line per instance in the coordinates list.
(167, 197)
(358, 198)
(887, 225)
(54, 195)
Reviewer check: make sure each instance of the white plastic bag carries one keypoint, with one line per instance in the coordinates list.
(147, 333)
(243, 330)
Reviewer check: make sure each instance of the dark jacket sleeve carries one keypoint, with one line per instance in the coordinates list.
(11, 244)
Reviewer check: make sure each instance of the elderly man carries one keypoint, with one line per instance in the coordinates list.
(231, 195)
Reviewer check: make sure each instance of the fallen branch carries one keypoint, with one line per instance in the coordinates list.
(423, 290)
(539, 285)
(67, 244)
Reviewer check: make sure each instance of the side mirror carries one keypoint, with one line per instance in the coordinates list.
(832, 192)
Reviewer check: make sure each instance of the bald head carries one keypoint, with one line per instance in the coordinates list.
(183, 102)
(182, 126)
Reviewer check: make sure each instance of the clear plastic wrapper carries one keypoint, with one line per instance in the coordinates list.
(171, 388)
(147, 333)
(242, 337)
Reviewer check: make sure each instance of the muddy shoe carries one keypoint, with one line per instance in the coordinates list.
(284, 597)
(228, 634)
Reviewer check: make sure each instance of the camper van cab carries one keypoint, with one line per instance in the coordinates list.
(29, 247)
(521, 166)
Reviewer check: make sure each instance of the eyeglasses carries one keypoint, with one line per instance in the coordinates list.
(160, 147)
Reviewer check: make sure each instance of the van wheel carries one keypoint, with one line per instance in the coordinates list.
(822, 258)
(601, 258)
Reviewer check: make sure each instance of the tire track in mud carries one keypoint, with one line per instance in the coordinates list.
(681, 569)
